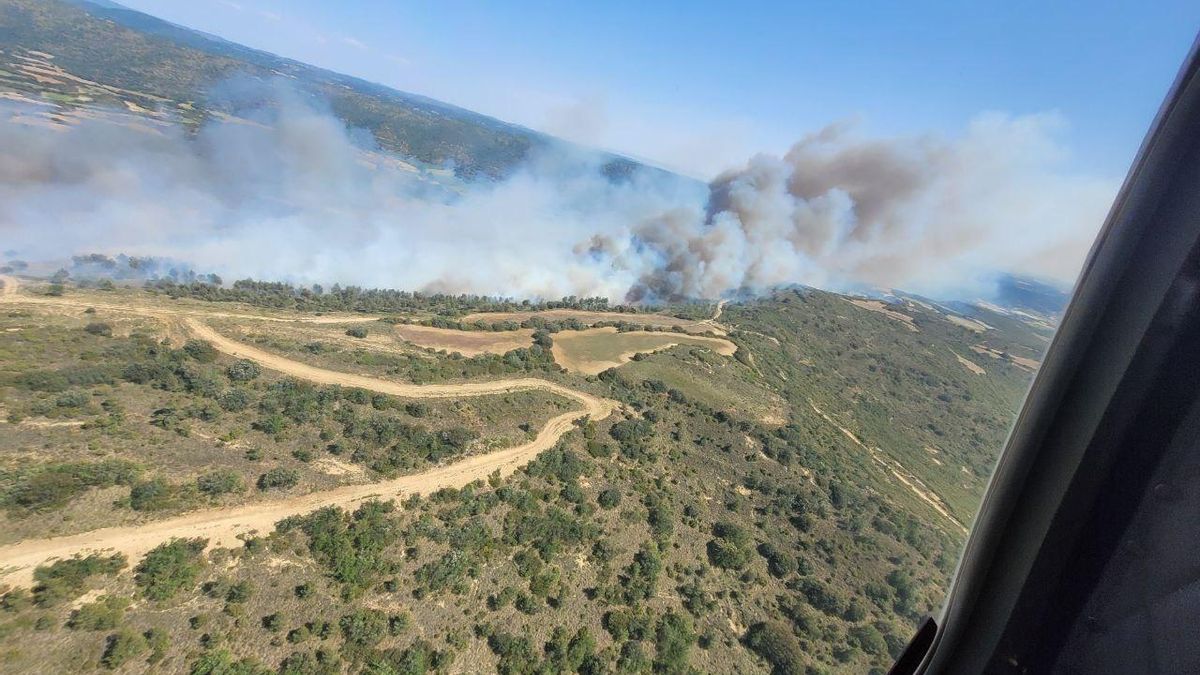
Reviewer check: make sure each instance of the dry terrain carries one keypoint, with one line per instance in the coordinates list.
(221, 526)
(597, 349)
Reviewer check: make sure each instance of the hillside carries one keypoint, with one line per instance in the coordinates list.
(794, 507)
(84, 54)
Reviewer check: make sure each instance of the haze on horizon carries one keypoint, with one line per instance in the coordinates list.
(893, 166)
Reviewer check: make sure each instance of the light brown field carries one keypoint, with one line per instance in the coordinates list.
(970, 365)
(1022, 362)
(467, 343)
(882, 308)
(969, 324)
(595, 350)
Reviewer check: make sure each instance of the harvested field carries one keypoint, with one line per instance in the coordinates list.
(883, 308)
(467, 343)
(598, 349)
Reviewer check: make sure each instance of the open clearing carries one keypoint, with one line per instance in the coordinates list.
(467, 343)
(597, 349)
(222, 526)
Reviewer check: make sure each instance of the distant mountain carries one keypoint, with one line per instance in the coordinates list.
(1025, 294)
(176, 67)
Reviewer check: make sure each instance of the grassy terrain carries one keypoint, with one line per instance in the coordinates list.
(740, 514)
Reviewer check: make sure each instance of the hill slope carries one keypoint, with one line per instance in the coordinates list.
(157, 65)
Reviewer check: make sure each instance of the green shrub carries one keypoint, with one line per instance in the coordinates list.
(72, 399)
(220, 482)
(221, 662)
(103, 614)
(641, 576)
(273, 622)
(239, 592)
(727, 555)
(351, 547)
(65, 579)
(279, 478)
(774, 642)
(99, 328)
(151, 495)
(730, 549)
(121, 647)
(243, 370)
(200, 350)
(357, 332)
(609, 498)
(234, 400)
(364, 628)
(170, 567)
(673, 640)
(54, 485)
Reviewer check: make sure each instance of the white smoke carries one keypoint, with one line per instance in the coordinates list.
(293, 195)
(923, 214)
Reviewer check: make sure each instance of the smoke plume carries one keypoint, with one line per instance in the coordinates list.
(287, 192)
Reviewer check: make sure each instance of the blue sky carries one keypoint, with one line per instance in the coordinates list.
(699, 86)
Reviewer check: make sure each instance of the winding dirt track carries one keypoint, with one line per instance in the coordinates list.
(221, 526)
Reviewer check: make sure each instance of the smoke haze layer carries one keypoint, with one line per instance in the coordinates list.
(287, 192)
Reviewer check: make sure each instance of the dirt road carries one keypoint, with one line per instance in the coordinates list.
(221, 526)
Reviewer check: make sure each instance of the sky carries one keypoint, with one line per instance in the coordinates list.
(700, 86)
